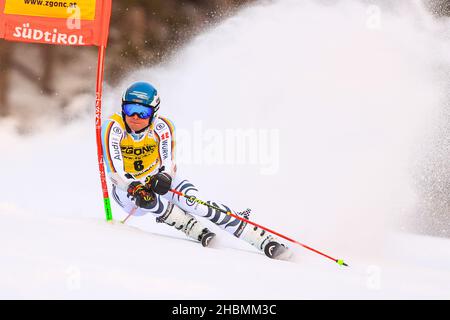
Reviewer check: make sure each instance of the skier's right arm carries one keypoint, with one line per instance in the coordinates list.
(112, 134)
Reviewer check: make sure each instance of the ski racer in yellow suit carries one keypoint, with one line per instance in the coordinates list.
(139, 151)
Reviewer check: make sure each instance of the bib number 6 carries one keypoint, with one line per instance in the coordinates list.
(138, 166)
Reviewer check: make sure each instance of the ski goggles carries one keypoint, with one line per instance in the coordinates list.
(142, 111)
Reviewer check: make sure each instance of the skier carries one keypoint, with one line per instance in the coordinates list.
(139, 151)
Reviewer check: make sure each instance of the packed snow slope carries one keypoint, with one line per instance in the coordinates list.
(312, 113)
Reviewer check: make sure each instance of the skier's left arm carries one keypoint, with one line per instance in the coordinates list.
(160, 183)
(165, 131)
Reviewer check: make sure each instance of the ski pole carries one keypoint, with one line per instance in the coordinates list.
(194, 199)
(129, 215)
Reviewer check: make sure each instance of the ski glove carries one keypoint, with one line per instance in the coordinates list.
(143, 197)
(159, 183)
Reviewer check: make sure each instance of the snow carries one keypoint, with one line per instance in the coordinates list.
(334, 119)
(50, 257)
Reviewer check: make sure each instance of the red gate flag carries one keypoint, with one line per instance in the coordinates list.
(62, 22)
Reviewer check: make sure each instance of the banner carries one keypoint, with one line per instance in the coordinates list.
(59, 22)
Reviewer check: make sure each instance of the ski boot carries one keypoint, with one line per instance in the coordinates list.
(185, 222)
(265, 242)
